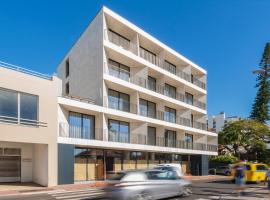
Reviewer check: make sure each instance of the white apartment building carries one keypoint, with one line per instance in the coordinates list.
(122, 100)
(129, 102)
(216, 123)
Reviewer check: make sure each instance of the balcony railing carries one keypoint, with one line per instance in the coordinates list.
(159, 88)
(121, 41)
(79, 132)
(21, 121)
(25, 71)
(121, 105)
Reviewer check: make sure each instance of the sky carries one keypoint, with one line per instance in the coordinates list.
(226, 37)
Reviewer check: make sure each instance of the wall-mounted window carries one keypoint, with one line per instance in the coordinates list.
(170, 91)
(170, 114)
(147, 108)
(148, 55)
(151, 135)
(151, 83)
(67, 88)
(67, 67)
(81, 126)
(170, 138)
(118, 100)
(119, 70)
(118, 131)
(170, 67)
(189, 140)
(189, 98)
(118, 39)
(18, 107)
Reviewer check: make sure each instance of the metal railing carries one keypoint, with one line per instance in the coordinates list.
(79, 132)
(118, 137)
(23, 70)
(85, 100)
(21, 121)
(120, 104)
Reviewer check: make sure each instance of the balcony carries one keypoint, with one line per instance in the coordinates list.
(120, 105)
(78, 132)
(124, 75)
(126, 44)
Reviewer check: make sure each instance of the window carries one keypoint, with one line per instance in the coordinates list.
(118, 131)
(119, 70)
(189, 141)
(151, 83)
(119, 100)
(8, 105)
(189, 98)
(170, 115)
(18, 107)
(147, 108)
(170, 67)
(170, 138)
(28, 108)
(81, 126)
(261, 167)
(67, 68)
(170, 91)
(151, 136)
(118, 39)
(148, 55)
(67, 88)
(191, 119)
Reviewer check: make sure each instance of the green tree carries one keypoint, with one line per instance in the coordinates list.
(245, 138)
(260, 111)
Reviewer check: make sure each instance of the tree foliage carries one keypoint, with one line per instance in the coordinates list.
(260, 110)
(245, 138)
(224, 159)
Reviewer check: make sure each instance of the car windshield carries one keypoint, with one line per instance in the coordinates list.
(161, 175)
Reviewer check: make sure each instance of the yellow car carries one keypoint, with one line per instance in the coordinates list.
(255, 172)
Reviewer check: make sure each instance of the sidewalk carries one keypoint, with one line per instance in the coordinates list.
(25, 188)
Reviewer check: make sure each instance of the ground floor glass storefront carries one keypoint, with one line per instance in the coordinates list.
(96, 164)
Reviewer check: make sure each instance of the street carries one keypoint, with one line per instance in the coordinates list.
(201, 191)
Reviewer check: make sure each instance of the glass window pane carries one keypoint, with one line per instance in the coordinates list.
(151, 109)
(124, 103)
(143, 107)
(189, 98)
(75, 125)
(113, 68)
(88, 127)
(8, 105)
(124, 72)
(124, 132)
(113, 130)
(28, 108)
(151, 136)
(151, 83)
(113, 99)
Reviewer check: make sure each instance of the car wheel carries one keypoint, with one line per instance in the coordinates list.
(142, 196)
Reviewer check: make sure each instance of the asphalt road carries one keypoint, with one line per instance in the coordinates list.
(223, 190)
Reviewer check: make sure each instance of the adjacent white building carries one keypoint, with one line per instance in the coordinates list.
(216, 123)
(122, 100)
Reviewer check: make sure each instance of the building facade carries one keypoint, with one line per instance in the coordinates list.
(216, 123)
(129, 102)
(121, 100)
(28, 126)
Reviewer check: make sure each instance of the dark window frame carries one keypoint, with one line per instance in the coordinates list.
(67, 67)
(118, 97)
(119, 122)
(67, 89)
(170, 112)
(171, 88)
(147, 107)
(171, 66)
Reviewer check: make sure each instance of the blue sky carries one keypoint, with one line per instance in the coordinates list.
(226, 37)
